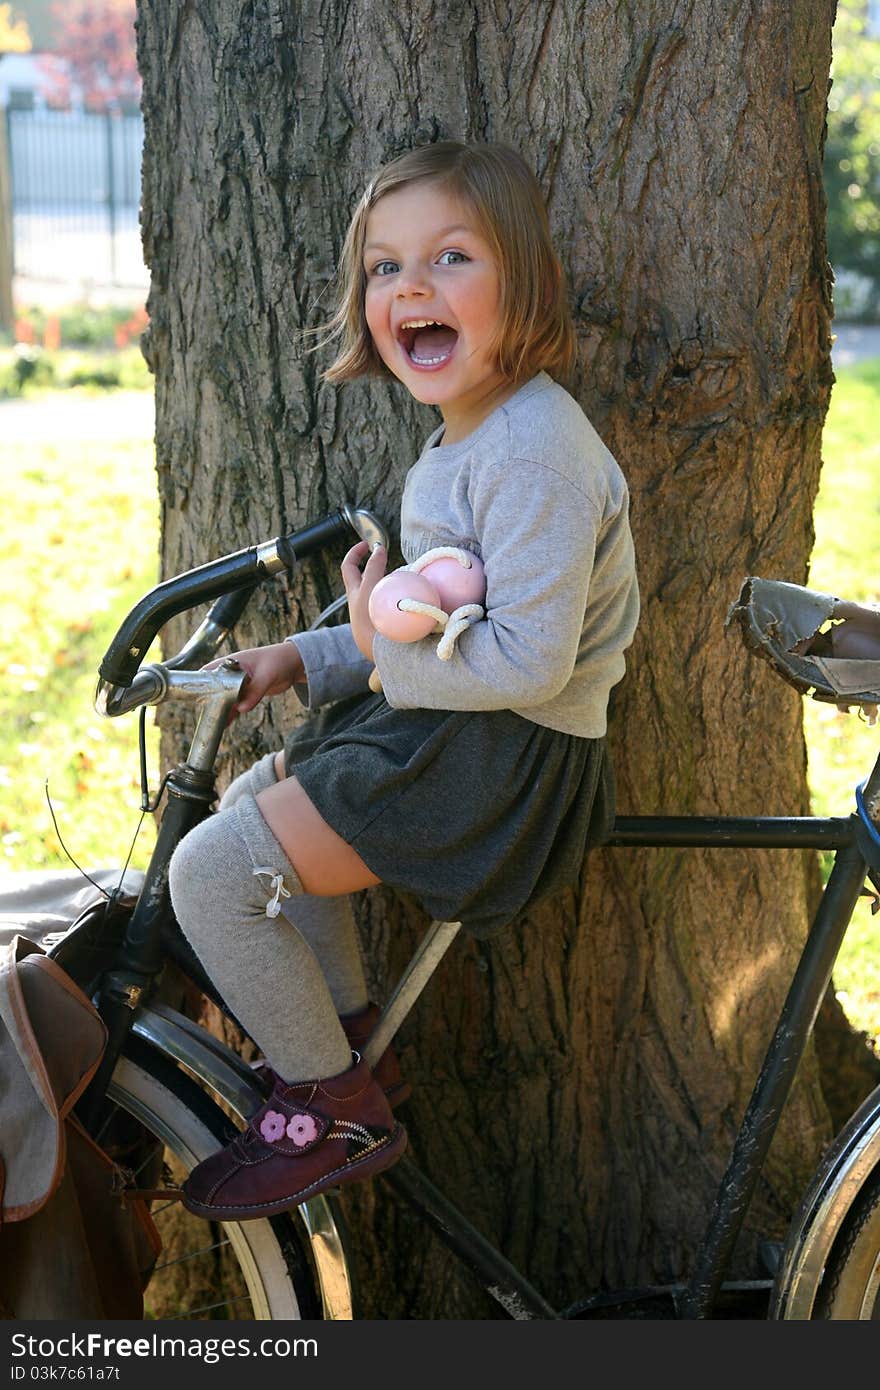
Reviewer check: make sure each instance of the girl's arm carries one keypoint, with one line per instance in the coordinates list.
(270, 671)
(333, 668)
(537, 533)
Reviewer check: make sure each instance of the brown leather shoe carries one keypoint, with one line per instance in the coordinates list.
(358, 1028)
(307, 1137)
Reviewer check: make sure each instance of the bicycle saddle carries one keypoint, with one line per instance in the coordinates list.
(824, 646)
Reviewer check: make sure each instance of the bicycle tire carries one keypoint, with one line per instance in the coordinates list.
(267, 1259)
(850, 1288)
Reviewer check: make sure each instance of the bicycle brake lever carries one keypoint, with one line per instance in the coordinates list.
(366, 524)
(371, 530)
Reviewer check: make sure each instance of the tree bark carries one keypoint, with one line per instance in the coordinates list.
(579, 1079)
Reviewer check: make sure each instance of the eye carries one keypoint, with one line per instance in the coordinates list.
(385, 268)
(459, 258)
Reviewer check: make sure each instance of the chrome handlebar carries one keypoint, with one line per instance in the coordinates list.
(151, 683)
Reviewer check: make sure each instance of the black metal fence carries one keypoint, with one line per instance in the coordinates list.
(75, 196)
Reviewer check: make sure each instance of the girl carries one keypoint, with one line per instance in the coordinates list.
(475, 783)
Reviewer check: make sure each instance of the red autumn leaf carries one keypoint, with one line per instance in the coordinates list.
(96, 39)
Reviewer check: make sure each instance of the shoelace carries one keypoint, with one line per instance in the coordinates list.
(273, 906)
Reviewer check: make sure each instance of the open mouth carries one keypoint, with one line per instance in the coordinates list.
(427, 342)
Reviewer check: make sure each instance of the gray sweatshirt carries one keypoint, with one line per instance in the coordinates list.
(535, 493)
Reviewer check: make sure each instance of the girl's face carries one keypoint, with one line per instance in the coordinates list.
(433, 303)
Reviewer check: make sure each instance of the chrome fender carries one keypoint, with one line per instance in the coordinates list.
(231, 1080)
(845, 1167)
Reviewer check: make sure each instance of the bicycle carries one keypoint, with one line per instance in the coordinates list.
(186, 1089)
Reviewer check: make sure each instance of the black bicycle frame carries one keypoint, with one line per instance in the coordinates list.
(697, 1299)
(798, 1014)
(151, 935)
(144, 946)
(140, 955)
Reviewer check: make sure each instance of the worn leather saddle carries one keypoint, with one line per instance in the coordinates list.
(826, 647)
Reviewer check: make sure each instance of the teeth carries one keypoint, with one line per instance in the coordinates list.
(429, 361)
(422, 323)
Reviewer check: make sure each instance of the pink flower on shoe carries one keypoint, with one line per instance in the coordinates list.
(302, 1130)
(272, 1126)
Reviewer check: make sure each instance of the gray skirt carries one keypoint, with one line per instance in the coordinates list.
(477, 814)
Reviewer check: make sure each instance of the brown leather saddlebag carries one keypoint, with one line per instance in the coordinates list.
(71, 1245)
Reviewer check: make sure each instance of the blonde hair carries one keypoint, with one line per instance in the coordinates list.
(505, 197)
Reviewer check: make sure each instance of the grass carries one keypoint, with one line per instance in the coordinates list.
(79, 540)
(842, 747)
(79, 547)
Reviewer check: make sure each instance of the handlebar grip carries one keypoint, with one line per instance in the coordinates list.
(233, 577)
(228, 608)
(299, 544)
(133, 638)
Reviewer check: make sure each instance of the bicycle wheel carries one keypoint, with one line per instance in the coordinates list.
(850, 1287)
(260, 1269)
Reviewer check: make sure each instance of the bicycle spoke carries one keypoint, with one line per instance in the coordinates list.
(164, 1207)
(209, 1307)
(137, 1171)
(193, 1254)
(111, 1114)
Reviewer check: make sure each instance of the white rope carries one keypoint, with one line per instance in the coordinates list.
(441, 552)
(430, 610)
(453, 624)
(460, 619)
(457, 623)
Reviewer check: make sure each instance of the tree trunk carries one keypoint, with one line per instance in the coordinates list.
(579, 1079)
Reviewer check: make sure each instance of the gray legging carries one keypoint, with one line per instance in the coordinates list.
(287, 963)
(328, 924)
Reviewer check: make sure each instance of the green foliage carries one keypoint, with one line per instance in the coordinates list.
(125, 369)
(80, 325)
(23, 368)
(852, 164)
(26, 370)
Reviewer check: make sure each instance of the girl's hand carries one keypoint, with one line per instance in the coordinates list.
(358, 587)
(270, 671)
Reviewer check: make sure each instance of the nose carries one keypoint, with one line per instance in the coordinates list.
(413, 281)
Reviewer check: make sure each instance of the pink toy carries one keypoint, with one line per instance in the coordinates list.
(443, 591)
(396, 622)
(441, 586)
(456, 583)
